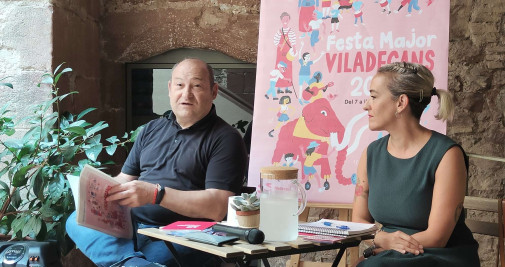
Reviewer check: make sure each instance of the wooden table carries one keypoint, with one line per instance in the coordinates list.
(242, 253)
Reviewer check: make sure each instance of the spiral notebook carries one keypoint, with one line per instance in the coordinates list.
(336, 228)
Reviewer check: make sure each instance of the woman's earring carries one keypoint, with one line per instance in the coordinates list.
(397, 115)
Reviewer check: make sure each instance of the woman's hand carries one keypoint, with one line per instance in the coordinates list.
(398, 241)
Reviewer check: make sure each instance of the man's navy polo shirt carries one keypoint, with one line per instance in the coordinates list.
(209, 154)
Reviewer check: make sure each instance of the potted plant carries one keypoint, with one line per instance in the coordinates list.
(247, 207)
(35, 199)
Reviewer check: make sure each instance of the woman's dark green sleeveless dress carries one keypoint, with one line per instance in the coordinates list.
(400, 194)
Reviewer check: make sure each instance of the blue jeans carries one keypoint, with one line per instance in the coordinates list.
(106, 250)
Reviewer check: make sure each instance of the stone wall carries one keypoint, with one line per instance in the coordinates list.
(25, 52)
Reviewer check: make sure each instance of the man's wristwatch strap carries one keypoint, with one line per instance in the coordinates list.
(161, 193)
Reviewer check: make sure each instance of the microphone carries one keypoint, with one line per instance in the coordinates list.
(251, 235)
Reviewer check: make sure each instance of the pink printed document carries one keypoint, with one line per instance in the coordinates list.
(188, 225)
(93, 211)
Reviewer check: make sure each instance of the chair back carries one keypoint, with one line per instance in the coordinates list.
(488, 228)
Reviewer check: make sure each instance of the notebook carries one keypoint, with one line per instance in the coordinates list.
(335, 227)
(326, 239)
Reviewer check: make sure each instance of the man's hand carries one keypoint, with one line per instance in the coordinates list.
(132, 194)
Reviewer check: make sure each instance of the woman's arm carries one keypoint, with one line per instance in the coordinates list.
(360, 211)
(448, 196)
(398, 241)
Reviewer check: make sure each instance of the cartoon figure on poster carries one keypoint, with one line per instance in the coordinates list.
(309, 171)
(336, 17)
(275, 75)
(314, 28)
(385, 5)
(358, 12)
(285, 41)
(290, 162)
(282, 113)
(304, 75)
(306, 9)
(316, 88)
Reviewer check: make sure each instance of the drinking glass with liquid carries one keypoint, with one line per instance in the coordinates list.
(280, 195)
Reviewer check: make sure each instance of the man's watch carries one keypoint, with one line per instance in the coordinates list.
(161, 193)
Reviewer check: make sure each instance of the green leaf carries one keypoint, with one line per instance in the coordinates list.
(93, 152)
(8, 85)
(112, 139)
(18, 223)
(59, 66)
(47, 212)
(4, 186)
(95, 140)
(59, 74)
(4, 170)
(134, 134)
(42, 235)
(38, 183)
(47, 79)
(56, 187)
(61, 97)
(5, 224)
(83, 162)
(48, 104)
(32, 226)
(69, 153)
(16, 199)
(111, 149)
(84, 112)
(20, 176)
(77, 130)
(79, 123)
(95, 128)
(27, 149)
(9, 132)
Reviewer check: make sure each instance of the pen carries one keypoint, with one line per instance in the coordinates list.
(341, 227)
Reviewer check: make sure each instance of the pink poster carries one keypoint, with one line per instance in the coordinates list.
(316, 59)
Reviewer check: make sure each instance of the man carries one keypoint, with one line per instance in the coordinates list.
(183, 166)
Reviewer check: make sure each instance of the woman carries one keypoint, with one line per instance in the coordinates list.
(412, 181)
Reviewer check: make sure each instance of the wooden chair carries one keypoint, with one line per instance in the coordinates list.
(488, 228)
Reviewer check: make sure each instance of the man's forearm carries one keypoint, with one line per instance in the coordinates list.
(210, 203)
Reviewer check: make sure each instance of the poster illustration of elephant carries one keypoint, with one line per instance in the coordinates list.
(314, 68)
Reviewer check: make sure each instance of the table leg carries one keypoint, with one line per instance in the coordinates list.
(174, 252)
(339, 257)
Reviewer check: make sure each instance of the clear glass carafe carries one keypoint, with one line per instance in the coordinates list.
(282, 199)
